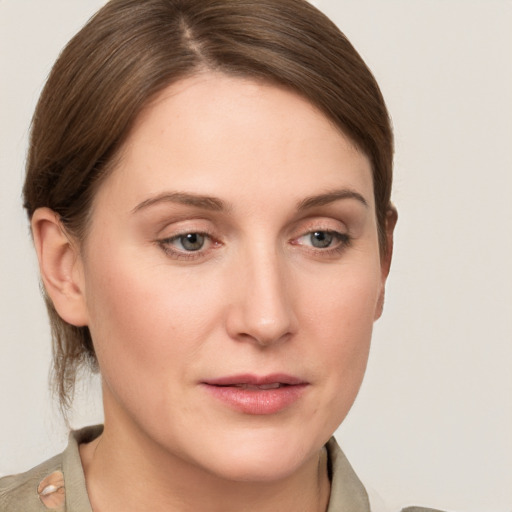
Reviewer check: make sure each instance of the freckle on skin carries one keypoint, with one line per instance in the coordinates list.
(52, 492)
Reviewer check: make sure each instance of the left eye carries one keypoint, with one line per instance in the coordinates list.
(189, 242)
(322, 239)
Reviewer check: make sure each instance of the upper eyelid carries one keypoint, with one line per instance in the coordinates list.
(168, 239)
(313, 219)
(293, 234)
(204, 225)
(184, 232)
(181, 227)
(323, 230)
(342, 236)
(305, 226)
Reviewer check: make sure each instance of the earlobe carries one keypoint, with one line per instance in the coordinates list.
(391, 220)
(60, 266)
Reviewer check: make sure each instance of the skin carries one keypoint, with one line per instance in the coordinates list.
(258, 297)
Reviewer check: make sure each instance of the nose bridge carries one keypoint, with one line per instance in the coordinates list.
(263, 310)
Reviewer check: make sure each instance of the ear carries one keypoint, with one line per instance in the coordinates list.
(385, 261)
(60, 266)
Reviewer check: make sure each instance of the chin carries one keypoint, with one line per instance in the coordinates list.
(263, 455)
(257, 469)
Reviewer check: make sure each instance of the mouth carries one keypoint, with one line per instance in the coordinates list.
(274, 385)
(257, 395)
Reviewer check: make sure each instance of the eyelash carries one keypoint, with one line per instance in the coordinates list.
(344, 240)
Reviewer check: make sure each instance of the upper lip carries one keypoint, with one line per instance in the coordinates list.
(256, 380)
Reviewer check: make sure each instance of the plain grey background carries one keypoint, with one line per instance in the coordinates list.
(433, 422)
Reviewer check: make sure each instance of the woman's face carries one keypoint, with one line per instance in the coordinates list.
(231, 278)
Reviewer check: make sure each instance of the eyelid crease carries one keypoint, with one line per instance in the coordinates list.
(184, 226)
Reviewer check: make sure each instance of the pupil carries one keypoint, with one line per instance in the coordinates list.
(192, 241)
(321, 239)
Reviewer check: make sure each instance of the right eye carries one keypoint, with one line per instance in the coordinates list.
(321, 239)
(189, 242)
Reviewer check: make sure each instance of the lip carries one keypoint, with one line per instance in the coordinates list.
(255, 394)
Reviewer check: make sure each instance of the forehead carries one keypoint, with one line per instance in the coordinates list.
(221, 135)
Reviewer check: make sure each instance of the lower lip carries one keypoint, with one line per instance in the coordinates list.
(257, 401)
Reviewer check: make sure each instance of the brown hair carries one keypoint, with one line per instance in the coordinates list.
(131, 50)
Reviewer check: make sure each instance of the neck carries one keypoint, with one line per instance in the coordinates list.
(126, 472)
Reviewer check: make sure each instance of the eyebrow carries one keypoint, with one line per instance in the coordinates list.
(199, 201)
(215, 204)
(330, 197)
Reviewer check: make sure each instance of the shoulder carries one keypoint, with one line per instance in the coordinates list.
(25, 492)
(55, 485)
(347, 491)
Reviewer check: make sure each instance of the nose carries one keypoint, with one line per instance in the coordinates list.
(261, 310)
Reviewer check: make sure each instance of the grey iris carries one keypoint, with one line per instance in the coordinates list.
(192, 241)
(321, 239)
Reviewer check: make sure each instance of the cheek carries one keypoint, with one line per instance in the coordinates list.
(341, 316)
(142, 317)
(344, 300)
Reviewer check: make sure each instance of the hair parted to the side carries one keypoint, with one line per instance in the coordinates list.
(131, 50)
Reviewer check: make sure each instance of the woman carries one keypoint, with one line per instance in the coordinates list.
(208, 185)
